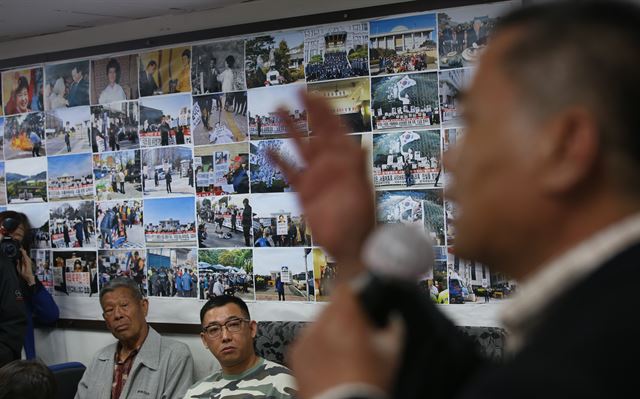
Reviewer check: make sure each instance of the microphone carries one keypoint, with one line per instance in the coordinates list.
(395, 255)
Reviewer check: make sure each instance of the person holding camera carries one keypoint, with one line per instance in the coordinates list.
(39, 306)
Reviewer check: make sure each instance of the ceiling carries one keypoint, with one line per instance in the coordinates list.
(21, 19)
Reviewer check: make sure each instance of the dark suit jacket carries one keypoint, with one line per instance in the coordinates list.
(584, 345)
(79, 93)
(147, 84)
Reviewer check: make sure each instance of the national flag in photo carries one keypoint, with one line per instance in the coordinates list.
(405, 83)
(407, 137)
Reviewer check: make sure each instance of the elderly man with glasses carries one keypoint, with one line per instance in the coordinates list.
(228, 333)
(142, 364)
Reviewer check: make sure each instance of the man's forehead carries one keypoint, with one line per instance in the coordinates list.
(117, 295)
(221, 314)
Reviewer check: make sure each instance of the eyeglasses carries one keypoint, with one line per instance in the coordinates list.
(214, 330)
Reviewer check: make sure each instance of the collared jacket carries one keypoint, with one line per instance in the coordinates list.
(163, 369)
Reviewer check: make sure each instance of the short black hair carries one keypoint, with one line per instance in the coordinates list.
(152, 63)
(222, 300)
(186, 53)
(26, 379)
(23, 83)
(569, 53)
(231, 61)
(113, 63)
(24, 221)
(80, 67)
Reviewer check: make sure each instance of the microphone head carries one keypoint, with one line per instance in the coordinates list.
(399, 251)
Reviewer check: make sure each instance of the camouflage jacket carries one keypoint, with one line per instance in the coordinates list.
(265, 380)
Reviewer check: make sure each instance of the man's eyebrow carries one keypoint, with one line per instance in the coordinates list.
(226, 320)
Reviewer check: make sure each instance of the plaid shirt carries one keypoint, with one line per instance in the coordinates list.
(121, 371)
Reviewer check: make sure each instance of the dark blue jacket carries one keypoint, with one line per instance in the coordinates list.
(41, 310)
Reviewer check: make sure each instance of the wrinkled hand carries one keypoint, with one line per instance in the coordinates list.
(25, 269)
(342, 347)
(334, 190)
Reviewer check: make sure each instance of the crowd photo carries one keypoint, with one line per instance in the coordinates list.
(406, 44)
(336, 51)
(226, 272)
(405, 101)
(75, 273)
(122, 263)
(279, 221)
(172, 272)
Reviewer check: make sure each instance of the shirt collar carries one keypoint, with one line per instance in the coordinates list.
(564, 272)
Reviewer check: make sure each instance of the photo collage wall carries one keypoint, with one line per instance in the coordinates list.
(153, 165)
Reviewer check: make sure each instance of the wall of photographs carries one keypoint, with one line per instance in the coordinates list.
(152, 165)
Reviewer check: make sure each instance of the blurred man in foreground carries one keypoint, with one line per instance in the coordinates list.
(546, 186)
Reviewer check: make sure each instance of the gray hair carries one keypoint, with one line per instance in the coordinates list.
(122, 282)
(583, 53)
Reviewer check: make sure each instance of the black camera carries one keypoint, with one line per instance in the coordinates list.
(9, 247)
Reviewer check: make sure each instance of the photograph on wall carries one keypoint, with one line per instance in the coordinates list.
(452, 82)
(281, 274)
(471, 281)
(1, 136)
(3, 187)
(264, 122)
(26, 180)
(436, 284)
(325, 273)
(275, 59)
(165, 120)
(114, 126)
(220, 118)
(423, 209)
(66, 85)
(218, 67)
(167, 171)
(43, 270)
(72, 224)
(24, 136)
(405, 44)
(117, 175)
(119, 224)
(1, 103)
(225, 221)
(405, 101)
(450, 138)
(165, 71)
(22, 91)
(75, 273)
(407, 158)
(226, 271)
(170, 222)
(70, 177)
(450, 217)
(173, 272)
(38, 215)
(221, 169)
(350, 99)
(122, 263)
(336, 51)
(266, 177)
(114, 79)
(463, 32)
(68, 130)
(278, 221)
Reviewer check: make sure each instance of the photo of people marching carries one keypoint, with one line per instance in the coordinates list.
(114, 126)
(72, 225)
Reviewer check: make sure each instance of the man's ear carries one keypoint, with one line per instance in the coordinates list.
(568, 151)
(254, 328)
